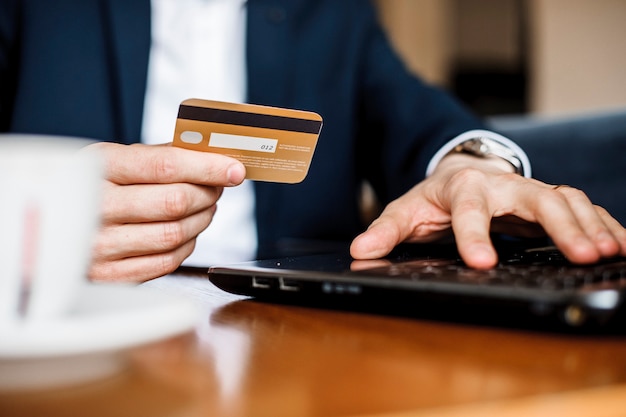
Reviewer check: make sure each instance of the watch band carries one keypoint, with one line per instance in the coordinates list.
(516, 151)
(482, 146)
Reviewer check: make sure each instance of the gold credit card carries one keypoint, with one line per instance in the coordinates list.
(274, 144)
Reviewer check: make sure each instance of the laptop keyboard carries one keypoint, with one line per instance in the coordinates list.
(544, 268)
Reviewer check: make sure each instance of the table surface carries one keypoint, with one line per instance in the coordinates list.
(248, 358)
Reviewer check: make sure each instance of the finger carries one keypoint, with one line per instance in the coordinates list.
(128, 240)
(554, 213)
(619, 232)
(471, 219)
(590, 221)
(378, 240)
(411, 218)
(141, 268)
(150, 202)
(163, 164)
(398, 221)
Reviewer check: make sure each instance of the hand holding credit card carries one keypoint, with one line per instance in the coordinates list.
(274, 144)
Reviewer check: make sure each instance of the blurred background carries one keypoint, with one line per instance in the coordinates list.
(541, 57)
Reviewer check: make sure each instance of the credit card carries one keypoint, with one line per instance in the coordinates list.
(274, 144)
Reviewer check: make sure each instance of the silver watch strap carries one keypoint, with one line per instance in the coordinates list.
(526, 168)
(483, 146)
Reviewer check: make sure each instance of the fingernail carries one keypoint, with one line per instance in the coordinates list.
(236, 174)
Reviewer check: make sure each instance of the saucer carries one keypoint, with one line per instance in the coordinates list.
(91, 341)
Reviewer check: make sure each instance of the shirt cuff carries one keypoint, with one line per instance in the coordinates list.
(471, 134)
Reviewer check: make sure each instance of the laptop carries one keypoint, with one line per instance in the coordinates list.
(534, 279)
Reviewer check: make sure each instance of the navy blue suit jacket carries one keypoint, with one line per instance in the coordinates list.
(78, 67)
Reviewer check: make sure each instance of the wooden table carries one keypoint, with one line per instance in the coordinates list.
(254, 359)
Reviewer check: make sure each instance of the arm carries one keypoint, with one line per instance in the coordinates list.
(472, 197)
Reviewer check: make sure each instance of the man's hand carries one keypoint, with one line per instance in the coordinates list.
(474, 196)
(156, 200)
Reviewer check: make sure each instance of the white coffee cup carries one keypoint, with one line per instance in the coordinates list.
(50, 189)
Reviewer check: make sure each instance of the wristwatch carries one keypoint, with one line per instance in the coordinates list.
(483, 147)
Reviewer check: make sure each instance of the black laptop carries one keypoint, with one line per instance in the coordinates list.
(537, 280)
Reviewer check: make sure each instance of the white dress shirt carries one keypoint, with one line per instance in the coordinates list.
(198, 51)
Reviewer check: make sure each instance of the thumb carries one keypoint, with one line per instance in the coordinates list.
(378, 240)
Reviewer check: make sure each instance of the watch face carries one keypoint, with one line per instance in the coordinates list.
(484, 146)
(479, 147)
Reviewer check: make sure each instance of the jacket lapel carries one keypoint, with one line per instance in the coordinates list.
(127, 23)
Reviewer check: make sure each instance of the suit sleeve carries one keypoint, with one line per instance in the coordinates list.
(405, 121)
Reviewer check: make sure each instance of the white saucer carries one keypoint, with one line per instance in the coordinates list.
(90, 342)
